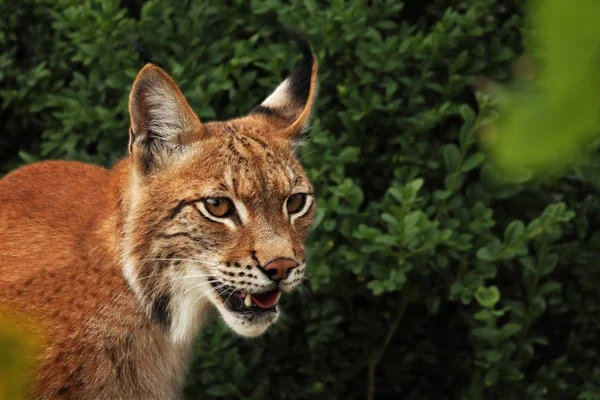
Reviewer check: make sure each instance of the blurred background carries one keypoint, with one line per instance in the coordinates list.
(433, 273)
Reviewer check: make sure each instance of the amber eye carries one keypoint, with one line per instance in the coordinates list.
(295, 203)
(219, 206)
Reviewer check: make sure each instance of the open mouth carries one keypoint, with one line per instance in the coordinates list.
(239, 301)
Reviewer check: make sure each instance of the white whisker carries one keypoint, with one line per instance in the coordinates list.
(166, 259)
(198, 286)
(213, 263)
(232, 292)
(300, 143)
(299, 158)
(206, 295)
(177, 278)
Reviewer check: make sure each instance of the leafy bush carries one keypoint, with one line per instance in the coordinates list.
(431, 276)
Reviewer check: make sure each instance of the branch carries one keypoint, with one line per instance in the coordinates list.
(376, 356)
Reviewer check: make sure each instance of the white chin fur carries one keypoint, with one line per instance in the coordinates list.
(242, 325)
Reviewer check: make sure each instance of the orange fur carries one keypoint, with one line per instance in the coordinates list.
(114, 263)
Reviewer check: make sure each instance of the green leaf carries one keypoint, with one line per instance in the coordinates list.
(442, 194)
(487, 334)
(517, 308)
(540, 340)
(115, 81)
(490, 252)
(387, 240)
(396, 194)
(239, 372)
(547, 288)
(528, 263)
(548, 123)
(389, 218)
(318, 218)
(416, 185)
(484, 315)
(467, 113)
(487, 297)
(491, 377)
(376, 287)
(513, 233)
(549, 264)
(221, 390)
(472, 162)
(511, 329)
(349, 154)
(493, 356)
(538, 307)
(453, 181)
(452, 157)
(28, 158)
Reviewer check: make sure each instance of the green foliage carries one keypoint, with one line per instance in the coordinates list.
(431, 275)
(20, 341)
(551, 121)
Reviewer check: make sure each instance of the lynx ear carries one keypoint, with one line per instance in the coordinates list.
(288, 108)
(162, 122)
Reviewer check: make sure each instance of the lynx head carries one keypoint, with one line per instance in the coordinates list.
(218, 211)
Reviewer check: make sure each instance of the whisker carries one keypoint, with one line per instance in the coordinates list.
(287, 163)
(147, 277)
(213, 263)
(161, 273)
(301, 156)
(232, 292)
(204, 295)
(198, 286)
(165, 259)
(177, 278)
(303, 291)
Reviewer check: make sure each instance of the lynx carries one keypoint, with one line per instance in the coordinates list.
(122, 266)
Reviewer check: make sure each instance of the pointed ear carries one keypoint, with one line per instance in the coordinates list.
(162, 122)
(289, 107)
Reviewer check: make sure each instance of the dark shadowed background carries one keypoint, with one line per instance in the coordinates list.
(429, 276)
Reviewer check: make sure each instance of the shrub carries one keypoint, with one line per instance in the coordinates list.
(430, 275)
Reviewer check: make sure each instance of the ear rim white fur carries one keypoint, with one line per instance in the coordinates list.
(162, 122)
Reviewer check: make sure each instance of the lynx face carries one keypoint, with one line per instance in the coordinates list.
(219, 211)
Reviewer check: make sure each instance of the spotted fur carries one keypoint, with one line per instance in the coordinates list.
(115, 264)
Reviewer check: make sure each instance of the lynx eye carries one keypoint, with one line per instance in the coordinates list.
(295, 203)
(220, 207)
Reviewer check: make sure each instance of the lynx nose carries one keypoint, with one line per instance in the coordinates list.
(278, 269)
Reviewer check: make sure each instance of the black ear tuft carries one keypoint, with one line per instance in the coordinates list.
(288, 107)
(301, 76)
